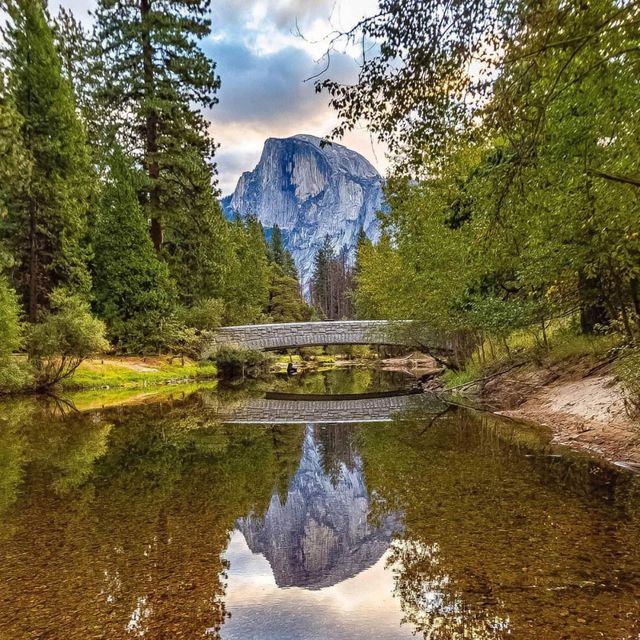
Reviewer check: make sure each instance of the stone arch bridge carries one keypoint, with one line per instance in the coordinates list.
(266, 337)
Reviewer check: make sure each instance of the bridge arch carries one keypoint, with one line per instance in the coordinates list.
(267, 337)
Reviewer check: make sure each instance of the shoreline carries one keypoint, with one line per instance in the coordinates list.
(583, 407)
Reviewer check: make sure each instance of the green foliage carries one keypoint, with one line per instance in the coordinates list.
(14, 376)
(279, 256)
(133, 291)
(247, 292)
(154, 80)
(46, 225)
(10, 322)
(205, 315)
(15, 164)
(332, 282)
(526, 205)
(232, 362)
(63, 338)
(378, 277)
(286, 303)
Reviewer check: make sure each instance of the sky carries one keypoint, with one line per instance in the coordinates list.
(263, 62)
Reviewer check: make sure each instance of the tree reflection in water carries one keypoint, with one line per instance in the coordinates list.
(126, 538)
(503, 537)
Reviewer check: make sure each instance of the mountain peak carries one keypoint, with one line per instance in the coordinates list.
(311, 191)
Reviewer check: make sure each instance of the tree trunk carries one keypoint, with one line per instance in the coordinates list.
(33, 265)
(593, 310)
(151, 128)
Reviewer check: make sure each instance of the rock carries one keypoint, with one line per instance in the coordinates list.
(310, 191)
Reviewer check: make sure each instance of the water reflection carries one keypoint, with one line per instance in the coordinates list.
(320, 534)
(159, 521)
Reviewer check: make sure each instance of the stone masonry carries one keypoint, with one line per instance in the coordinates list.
(306, 334)
(274, 411)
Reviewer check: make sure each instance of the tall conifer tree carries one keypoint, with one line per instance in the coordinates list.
(133, 292)
(46, 224)
(155, 81)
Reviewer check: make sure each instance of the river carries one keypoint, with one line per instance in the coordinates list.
(331, 505)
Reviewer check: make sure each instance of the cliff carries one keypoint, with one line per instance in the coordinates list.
(310, 191)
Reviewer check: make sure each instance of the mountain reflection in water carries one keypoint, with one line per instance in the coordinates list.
(321, 534)
(159, 521)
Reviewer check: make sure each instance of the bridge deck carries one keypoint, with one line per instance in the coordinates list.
(312, 334)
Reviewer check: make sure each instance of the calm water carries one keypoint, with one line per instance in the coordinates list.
(172, 520)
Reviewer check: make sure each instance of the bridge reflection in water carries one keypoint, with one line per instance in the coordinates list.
(317, 547)
(280, 408)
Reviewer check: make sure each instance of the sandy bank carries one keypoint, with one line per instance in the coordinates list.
(583, 406)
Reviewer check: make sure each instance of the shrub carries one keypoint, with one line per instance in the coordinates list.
(232, 362)
(14, 375)
(66, 336)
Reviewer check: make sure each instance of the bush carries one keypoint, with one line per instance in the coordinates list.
(14, 375)
(249, 363)
(66, 335)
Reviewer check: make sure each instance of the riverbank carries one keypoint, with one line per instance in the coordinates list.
(579, 398)
(136, 372)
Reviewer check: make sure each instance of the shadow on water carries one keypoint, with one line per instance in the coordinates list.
(160, 520)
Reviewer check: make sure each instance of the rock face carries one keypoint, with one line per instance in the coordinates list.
(321, 534)
(309, 192)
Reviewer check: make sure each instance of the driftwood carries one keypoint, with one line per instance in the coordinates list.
(489, 377)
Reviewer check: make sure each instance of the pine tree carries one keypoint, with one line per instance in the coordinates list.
(80, 66)
(133, 292)
(198, 245)
(45, 229)
(155, 79)
(15, 164)
(279, 255)
(247, 294)
(286, 304)
(332, 282)
(321, 278)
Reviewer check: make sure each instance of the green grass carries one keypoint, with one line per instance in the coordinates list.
(134, 372)
(567, 345)
(471, 372)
